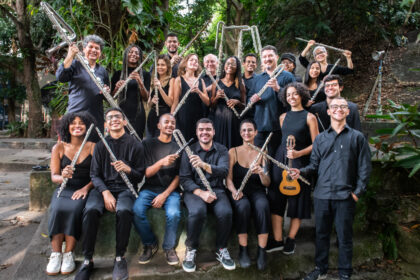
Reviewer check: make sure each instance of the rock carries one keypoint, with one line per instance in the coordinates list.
(41, 190)
(409, 244)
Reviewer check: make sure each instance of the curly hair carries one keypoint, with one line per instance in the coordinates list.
(67, 119)
(183, 66)
(301, 89)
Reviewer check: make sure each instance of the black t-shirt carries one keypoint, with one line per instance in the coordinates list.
(155, 150)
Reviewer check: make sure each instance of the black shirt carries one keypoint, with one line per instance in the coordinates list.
(340, 70)
(342, 162)
(126, 148)
(217, 157)
(154, 150)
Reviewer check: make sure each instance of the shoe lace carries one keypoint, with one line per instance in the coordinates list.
(224, 254)
(189, 256)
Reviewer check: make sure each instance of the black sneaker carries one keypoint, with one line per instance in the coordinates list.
(274, 245)
(244, 260)
(85, 271)
(289, 246)
(148, 252)
(171, 257)
(224, 258)
(189, 261)
(315, 274)
(120, 269)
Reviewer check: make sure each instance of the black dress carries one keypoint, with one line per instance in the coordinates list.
(294, 123)
(340, 70)
(190, 112)
(226, 124)
(320, 96)
(153, 119)
(130, 100)
(65, 214)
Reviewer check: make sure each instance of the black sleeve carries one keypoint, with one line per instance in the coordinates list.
(137, 165)
(147, 79)
(341, 70)
(115, 78)
(96, 171)
(303, 61)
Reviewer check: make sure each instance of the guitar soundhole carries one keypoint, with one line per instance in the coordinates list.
(290, 188)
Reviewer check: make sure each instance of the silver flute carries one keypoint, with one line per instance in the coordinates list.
(180, 140)
(224, 95)
(276, 162)
(135, 70)
(322, 45)
(114, 159)
(184, 98)
(156, 87)
(321, 85)
(75, 158)
(277, 71)
(62, 31)
(249, 172)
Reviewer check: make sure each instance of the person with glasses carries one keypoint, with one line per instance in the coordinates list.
(111, 192)
(333, 86)
(249, 65)
(320, 55)
(341, 158)
(289, 61)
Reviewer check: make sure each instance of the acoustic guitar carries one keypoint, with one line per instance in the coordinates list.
(288, 186)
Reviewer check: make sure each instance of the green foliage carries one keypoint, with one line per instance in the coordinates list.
(403, 154)
(60, 98)
(389, 241)
(17, 129)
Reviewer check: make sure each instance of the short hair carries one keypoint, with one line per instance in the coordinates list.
(66, 120)
(251, 121)
(269, 48)
(183, 65)
(166, 114)
(210, 54)
(204, 120)
(301, 89)
(171, 34)
(334, 77)
(319, 48)
(250, 54)
(338, 98)
(114, 109)
(93, 38)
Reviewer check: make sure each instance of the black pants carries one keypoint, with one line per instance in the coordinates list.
(197, 213)
(275, 140)
(257, 201)
(341, 212)
(93, 211)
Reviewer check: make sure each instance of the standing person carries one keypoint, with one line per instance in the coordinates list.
(211, 64)
(341, 158)
(320, 55)
(131, 98)
(65, 213)
(333, 86)
(267, 107)
(304, 127)
(164, 82)
(213, 159)
(226, 123)
(84, 94)
(289, 61)
(160, 191)
(249, 65)
(192, 110)
(172, 45)
(111, 192)
(252, 197)
(312, 81)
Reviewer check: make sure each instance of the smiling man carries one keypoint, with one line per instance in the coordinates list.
(341, 158)
(172, 45)
(213, 159)
(249, 64)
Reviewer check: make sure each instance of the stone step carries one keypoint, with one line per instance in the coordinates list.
(23, 159)
(27, 143)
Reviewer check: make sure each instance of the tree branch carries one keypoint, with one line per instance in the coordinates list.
(7, 13)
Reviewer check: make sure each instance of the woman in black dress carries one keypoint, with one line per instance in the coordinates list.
(164, 82)
(312, 81)
(131, 98)
(226, 124)
(65, 213)
(253, 195)
(192, 110)
(304, 127)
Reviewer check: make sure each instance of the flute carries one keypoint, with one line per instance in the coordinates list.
(180, 140)
(179, 151)
(184, 98)
(279, 69)
(75, 158)
(156, 87)
(135, 70)
(321, 85)
(249, 172)
(322, 45)
(276, 162)
(114, 159)
(224, 95)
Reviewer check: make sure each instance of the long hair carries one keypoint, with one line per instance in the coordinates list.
(183, 65)
(124, 70)
(66, 120)
(307, 77)
(168, 71)
(301, 89)
(238, 73)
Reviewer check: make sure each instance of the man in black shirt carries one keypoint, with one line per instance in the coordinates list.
(172, 45)
(160, 191)
(111, 192)
(333, 88)
(213, 159)
(249, 65)
(341, 157)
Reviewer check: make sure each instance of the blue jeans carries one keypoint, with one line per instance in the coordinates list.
(173, 214)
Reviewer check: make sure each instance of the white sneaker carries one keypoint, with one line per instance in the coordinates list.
(54, 265)
(68, 265)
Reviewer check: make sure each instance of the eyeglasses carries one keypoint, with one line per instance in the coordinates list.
(335, 107)
(117, 117)
(331, 85)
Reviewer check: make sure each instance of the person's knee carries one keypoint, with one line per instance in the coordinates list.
(140, 210)
(173, 214)
(197, 212)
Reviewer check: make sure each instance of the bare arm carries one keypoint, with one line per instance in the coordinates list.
(177, 93)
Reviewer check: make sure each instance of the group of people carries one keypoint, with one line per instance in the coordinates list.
(328, 149)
